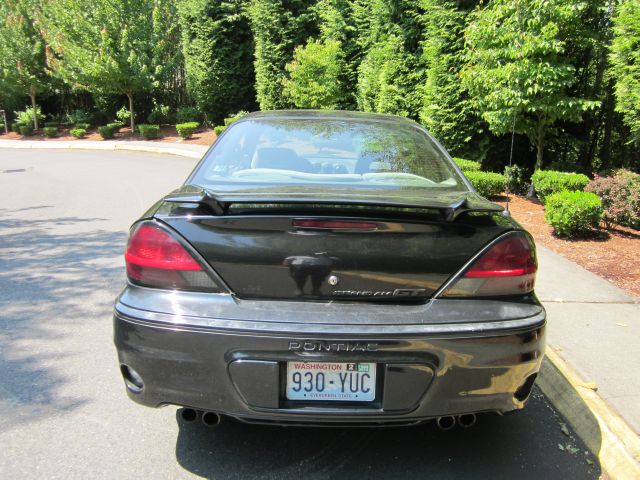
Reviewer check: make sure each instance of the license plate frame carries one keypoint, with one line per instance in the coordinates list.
(339, 380)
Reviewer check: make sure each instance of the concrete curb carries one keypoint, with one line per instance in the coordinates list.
(107, 145)
(606, 435)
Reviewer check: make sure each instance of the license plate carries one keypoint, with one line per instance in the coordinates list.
(351, 382)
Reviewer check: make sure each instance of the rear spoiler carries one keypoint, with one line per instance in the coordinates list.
(451, 209)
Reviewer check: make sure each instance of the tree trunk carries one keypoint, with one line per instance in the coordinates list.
(539, 151)
(609, 104)
(133, 125)
(32, 94)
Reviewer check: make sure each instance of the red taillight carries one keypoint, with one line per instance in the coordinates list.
(334, 225)
(507, 268)
(510, 257)
(156, 259)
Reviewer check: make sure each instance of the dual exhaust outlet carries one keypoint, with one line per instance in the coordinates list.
(448, 422)
(210, 419)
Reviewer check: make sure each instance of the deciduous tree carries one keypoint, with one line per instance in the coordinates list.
(517, 67)
(108, 47)
(23, 65)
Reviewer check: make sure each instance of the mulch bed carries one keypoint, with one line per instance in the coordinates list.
(168, 133)
(612, 254)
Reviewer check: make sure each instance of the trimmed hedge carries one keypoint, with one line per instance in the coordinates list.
(185, 130)
(467, 165)
(26, 130)
(149, 132)
(546, 182)
(108, 131)
(50, 132)
(573, 213)
(78, 132)
(15, 127)
(488, 184)
(229, 121)
(1, 128)
(620, 195)
(234, 118)
(82, 126)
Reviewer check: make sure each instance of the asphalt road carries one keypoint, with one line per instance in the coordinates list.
(64, 217)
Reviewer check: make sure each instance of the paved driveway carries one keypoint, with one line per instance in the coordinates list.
(63, 223)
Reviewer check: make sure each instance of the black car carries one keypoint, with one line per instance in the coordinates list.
(329, 268)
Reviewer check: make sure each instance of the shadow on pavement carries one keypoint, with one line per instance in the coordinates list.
(50, 269)
(525, 445)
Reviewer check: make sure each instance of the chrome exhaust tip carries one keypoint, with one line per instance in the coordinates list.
(210, 419)
(188, 414)
(446, 423)
(467, 420)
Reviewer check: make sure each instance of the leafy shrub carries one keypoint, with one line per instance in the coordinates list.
(189, 114)
(116, 125)
(25, 116)
(82, 126)
(488, 184)
(108, 131)
(161, 114)
(149, 132)
(51, 124)
(546, 182)
(620, 195)
(123, 115)
(234, 118)
(516, 179)
(15, 127)
(218, 129)
(573, 213)
(50, 132)
(314, 75)
(26, 130)
(78, 132)
(185, 130)
(467, 165)
(1, 128)
(79, 116)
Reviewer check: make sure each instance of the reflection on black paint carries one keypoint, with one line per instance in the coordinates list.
(302, 267)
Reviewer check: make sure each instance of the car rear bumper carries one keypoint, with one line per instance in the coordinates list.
(236, 367)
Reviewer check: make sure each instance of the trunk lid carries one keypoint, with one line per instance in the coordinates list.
(280, 246)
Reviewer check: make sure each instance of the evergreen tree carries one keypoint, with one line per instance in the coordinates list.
(625, 57)
(390, 74)
(278, 26)
(335, 22)
(447, 111)
(218, 53)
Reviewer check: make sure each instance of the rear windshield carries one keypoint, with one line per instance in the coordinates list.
(298, 152)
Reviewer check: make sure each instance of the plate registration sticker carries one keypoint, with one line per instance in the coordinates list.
(351, 382)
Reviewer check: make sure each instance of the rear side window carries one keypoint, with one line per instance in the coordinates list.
(295, 151)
